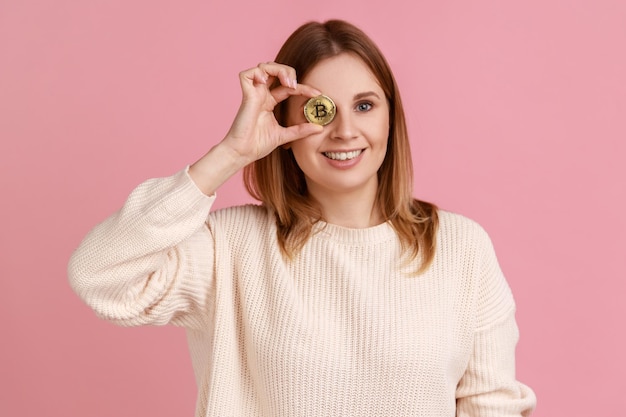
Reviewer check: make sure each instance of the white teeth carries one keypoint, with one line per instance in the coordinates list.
(342, 156)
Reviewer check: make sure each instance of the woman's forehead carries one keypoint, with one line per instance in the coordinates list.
(344, 74)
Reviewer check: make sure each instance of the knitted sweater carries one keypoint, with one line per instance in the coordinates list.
(341, 330)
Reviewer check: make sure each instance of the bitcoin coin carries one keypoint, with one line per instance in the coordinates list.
(320, 110)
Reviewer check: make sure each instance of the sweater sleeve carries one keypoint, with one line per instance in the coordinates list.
(152, 261)
(488, 387)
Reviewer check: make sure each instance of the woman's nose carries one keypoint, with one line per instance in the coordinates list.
(343, 127)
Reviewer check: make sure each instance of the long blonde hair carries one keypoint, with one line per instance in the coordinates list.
(278, 182)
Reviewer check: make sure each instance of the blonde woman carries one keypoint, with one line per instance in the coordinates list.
(339, 294)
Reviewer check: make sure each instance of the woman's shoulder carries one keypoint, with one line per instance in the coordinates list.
(239, 213)
(248, 218)
(455, 227)
(242, 229)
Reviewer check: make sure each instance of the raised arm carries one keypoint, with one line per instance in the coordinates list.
(152, 261)
(255, 131)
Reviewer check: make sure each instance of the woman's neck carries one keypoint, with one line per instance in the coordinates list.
(358, 209)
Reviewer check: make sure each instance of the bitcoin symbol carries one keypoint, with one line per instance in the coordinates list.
(320, 110)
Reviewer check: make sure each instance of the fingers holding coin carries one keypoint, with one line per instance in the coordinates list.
(285, 74)
(265, 73)
(281, 93)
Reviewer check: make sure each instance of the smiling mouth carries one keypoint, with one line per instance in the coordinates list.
(342, 156)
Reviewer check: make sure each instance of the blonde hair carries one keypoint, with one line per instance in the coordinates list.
(278, 182)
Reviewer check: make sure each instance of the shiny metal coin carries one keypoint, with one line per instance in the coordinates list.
(320, 110)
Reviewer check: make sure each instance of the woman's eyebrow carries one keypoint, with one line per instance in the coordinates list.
(366, 94)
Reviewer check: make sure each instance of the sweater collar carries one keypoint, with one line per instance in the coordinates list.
(327, 231)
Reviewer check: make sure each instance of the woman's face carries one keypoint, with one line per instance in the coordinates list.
(346, 155)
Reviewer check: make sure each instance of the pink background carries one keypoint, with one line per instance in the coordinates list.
(517, 114)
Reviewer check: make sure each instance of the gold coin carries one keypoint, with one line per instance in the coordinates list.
(320, 110)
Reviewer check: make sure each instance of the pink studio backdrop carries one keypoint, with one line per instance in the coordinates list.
(517, 115)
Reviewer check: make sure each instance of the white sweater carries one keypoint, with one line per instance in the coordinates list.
(342, 330)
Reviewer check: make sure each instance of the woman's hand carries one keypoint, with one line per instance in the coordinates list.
(255, 132)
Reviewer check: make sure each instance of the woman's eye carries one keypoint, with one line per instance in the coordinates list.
(364, 106)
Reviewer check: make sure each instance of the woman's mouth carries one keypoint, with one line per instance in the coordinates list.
(342, 156)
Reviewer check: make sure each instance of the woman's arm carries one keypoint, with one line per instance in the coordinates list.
(152, 262)
(255, 132)
(489, 387)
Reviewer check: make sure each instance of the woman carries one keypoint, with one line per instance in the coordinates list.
(340, 294)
